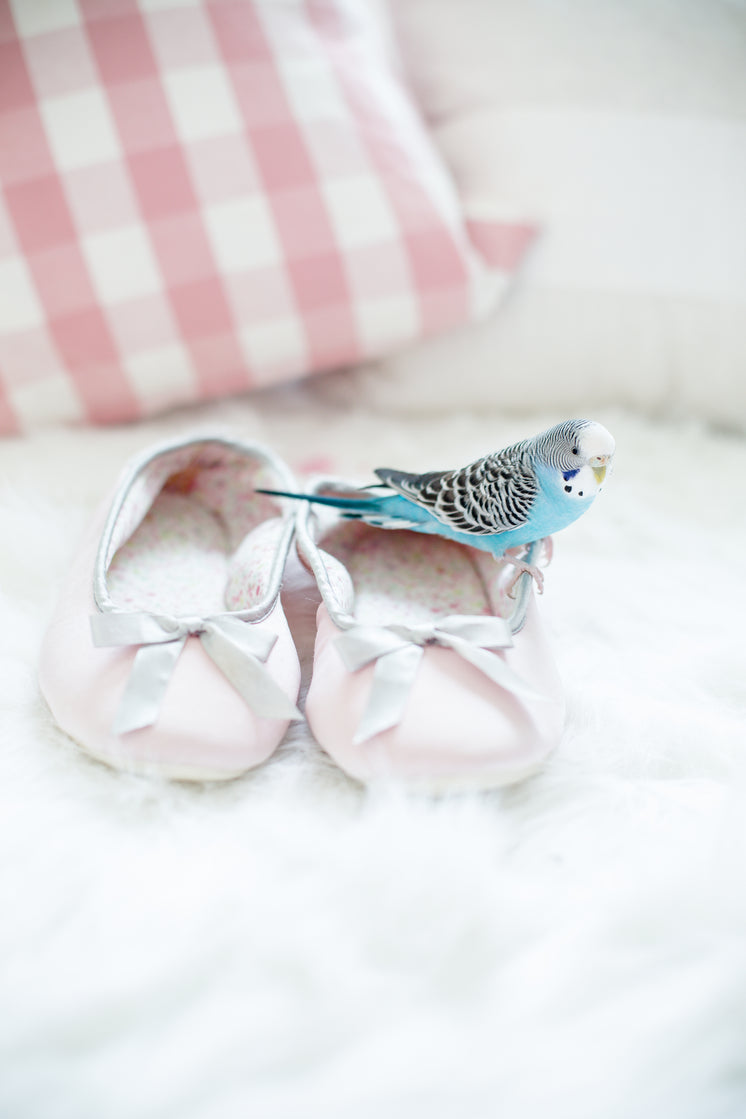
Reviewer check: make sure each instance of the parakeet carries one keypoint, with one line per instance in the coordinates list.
(506, 500)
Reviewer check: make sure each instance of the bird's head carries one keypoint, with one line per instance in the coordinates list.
(582, 451)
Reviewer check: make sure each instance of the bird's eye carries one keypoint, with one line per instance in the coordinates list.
(575, 451)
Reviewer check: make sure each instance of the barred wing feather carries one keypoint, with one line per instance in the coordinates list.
(492, 495)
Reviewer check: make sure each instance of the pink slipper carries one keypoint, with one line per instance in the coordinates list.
(169, 651)
(425, 668)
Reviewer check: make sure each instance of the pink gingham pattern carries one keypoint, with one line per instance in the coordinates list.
(199, 197)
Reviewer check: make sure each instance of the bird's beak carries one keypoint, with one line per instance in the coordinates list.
(598, 466)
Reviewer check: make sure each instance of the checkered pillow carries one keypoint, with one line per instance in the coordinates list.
(204, 196)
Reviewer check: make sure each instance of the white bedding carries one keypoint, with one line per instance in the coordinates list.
(620, 129)
(292, 945)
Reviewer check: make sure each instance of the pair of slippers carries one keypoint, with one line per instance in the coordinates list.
(170, 652)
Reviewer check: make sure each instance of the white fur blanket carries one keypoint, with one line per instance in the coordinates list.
(292, 946)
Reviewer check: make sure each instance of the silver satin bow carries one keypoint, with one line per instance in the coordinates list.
(398, 649)
(236, 647)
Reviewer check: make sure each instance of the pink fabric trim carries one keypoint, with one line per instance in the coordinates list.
(502, 244)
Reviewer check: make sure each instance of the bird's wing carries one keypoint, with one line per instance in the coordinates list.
(490, 496)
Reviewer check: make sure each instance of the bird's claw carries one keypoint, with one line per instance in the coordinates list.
(523, 568)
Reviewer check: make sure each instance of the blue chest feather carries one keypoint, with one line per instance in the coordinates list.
(556, 505)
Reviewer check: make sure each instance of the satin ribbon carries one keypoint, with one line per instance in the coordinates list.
(398, 650)
(238, 648)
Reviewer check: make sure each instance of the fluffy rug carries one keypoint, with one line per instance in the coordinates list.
(293, 946)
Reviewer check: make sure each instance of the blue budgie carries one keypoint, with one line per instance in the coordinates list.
(501, 502)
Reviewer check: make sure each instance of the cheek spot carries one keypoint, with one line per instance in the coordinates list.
(580, 493)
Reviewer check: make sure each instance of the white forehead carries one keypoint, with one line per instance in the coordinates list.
(595, 440)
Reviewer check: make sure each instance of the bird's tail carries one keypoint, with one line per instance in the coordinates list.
(351, 505)
(381, 510)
